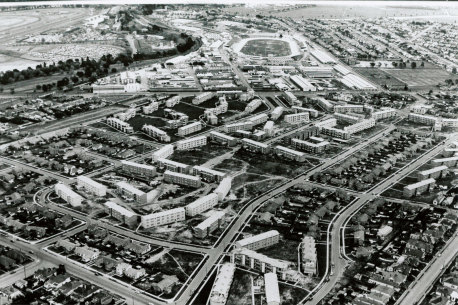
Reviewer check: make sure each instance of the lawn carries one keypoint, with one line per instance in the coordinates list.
(380, 77)
(420, 77)
(265, 47)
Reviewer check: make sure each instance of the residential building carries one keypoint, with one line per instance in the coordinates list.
(120, 125)
(67, 194)
(325, 104)
(171, 102)
(419, 187)
(360, 126)
(209, 225)
(276, 113)
(342, 117)
(201, 205)
(297, 118)
(138, 169)
(122, 214)
(223, 188)
(269, 128)
(126, 115)
(253, 105)
(309, 256)
(208, 174)
(163, 218)
(91, 186)
(271, 289)
(349, 108)
(384, 114)
(262, 263)
(192, 143)
(450, 162)
(172, 165)
(129, 192)
(163, 152)
(259, 241)
(148, 109)
(182, 179)
(222, 138)
(255, 146)
(291, 98)
(312, 112)
(435, 172)
(229, 128)
(190, 128)
(332, 122)
(199, 99)
(223, 281)
(290, 154)
(258, 119)
(335, 132)
(313, 147)
(156, 133)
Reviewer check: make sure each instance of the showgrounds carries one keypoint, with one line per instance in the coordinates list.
(267, 45)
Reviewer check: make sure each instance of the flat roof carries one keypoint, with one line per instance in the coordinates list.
(130, 188)
(221, 135)
(224, 279)
(209, 170)
(255, 143)
(258, 237)
(167, 172)
(281, 264)
(419, 184)
(271, 288)
(135, 164)
(446, 159)
(168, 212)
(190, 125)
(90, 181)
(192, 139)
(167, 161)
(289, 150)
(119, 209)
(201, 200)
(210, 220)
(433, 170)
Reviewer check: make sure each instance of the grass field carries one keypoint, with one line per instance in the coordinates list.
(380, 77)
(420, 77)
(264, 47)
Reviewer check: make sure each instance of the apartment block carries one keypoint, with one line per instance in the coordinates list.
(435, 172)
(335, 132)
(172, 165)
(192, 143)
(199, 99)
(349, 108)
(208, 174)
(309, 256)
(312, 112)
(163, 218)
(182, 179)
(450, 162)
(91, 186)
(426, 120)
(171, 102)
(67, 194)
(342, 117)
(360, 126)
(129, 192)
(326, 123)
(290, 154)
(258, 119)
(325, 104)
(163, 152)
(384, 114)
(259, 262)
(259, 241)
(122, 214)
(209, 225)
(313, 147)
(156, 133)
(291, 98)
(138, 169)
(223, 188)
(255, 146)
(276, 113)
(297, 118)
(419, 187)
(190, 128)
(222, 138)
(223, 282)
(120, 125)
(269, 128)
(230, 128)
(126, 115)
(201, 205)
(148, 109)
(253, 105)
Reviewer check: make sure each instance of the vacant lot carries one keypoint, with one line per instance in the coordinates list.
(420, 77)
(380, 77)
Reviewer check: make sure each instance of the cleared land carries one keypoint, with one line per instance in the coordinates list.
(420, 77)
(265, 47)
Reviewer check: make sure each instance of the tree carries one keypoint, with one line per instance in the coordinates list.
(454, 70)
(372, 64)
(422, 64)
(12, 91)
(413, 65)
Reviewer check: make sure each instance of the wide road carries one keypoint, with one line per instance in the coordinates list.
(339, 263)
(416, 293)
